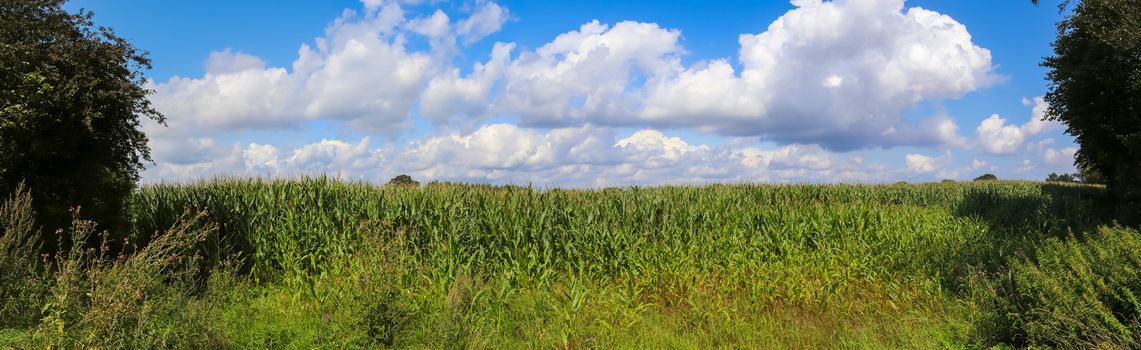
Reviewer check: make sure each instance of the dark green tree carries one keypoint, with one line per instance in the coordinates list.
(986, 177)
(71, 99)
(403, 180)
(1055, 177)
(1095, 89)
(1090, 176)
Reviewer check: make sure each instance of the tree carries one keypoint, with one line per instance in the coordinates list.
(71, 99)
(1090, 176)
(1095, 89)
(403, 180)
(1054, 177)
(986, 177)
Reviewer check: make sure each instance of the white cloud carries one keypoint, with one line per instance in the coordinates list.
(1038, 123)
(487, 20)
(653, 149)
(1025, 166)
(967, 171)
(996, 137)
(919, 163)
(824, 77)
(504, 153)
(820, 74)
(874, 59)
(261, 159)
(438, 28)
(585, 75)
(358, 72)
(227, 61)
(839, 74)
(448, 96)
(1060, 158)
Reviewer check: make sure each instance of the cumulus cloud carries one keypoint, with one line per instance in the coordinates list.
(997, 137)
(838, 74)
(448, 96)
(358, 72)
(835, 73)
(1038, 123)
(585, 76)
(922, 164)
(1062, 158)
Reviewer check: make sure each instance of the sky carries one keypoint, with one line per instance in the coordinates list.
(597, 93)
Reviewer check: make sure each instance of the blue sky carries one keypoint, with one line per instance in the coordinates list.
(597, 93)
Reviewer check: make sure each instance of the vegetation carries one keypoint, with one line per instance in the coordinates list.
(317, 263)
(71, 99)
(1054, 177)
(403, 180)
(986, 177)
(1095, 90)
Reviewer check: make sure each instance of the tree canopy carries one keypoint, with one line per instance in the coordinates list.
(986, 177)
(403, 180)
(1095, 89)
(72, 96)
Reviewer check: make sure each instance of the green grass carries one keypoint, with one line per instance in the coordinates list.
(316, 263)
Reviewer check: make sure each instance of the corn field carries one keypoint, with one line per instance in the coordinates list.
(331, 264)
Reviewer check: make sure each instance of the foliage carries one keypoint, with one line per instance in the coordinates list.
(1095, 90)
(1054, 177)
(71, 99)
(986, 177)
(102, 300)
(403, 180)
(1090, 176)
(92, 298)
(1076, 292)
